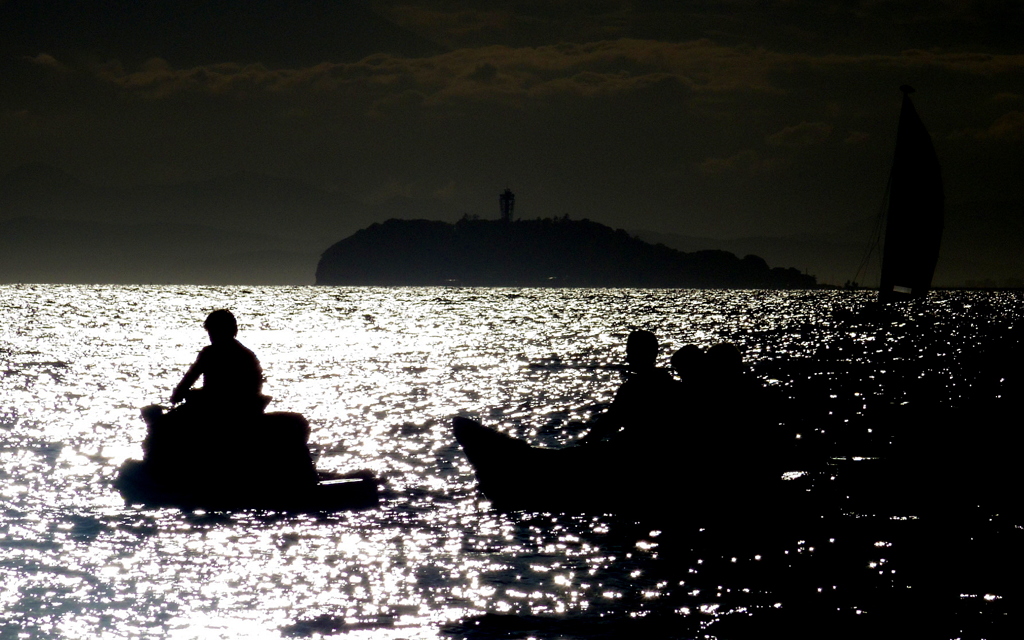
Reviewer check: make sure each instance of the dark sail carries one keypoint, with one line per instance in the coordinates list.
(913, 227)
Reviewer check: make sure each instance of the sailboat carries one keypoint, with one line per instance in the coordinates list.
(913, 219)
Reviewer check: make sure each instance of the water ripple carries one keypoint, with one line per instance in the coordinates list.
(379, 372)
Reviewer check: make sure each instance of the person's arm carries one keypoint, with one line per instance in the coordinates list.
(189, 379)
(612, 420)
(603, 426)
(258, 378)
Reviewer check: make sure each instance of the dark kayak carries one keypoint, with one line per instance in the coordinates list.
(257, 461)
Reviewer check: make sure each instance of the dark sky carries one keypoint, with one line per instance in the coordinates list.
(707, 118)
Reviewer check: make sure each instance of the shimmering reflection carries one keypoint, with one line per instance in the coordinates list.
(379, 373)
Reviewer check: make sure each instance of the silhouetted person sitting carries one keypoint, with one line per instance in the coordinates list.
(689, 364)
(232, 376)
(220, 434)
(739, 431)
(645, 395)
(724, 362)
(725, 376)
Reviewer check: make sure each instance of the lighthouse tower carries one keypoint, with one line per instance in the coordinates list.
(507, 202)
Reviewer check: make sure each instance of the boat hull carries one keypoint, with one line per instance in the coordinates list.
(198, 459)
(606, 477)
(515, 476)
(662, 479)
(139, 485)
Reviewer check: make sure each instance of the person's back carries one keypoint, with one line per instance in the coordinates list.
(690, 365)
(643, 403)
(231, 372)
(644, 394)
(740, 421)
(232, 376)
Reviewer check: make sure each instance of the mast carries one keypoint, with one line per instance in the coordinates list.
(913, 221)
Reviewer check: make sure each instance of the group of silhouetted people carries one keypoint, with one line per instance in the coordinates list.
(704, 384)
(704, 412)
(705, 389)
(705, 424)
(233, 379)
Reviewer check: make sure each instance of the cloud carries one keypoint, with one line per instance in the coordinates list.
(48, 61)
(746, 162)
(157, 79)
(598, 125)
(452, 27)
(749, 162)
(1008, 97)
(857, 137)
(701, 68)
(486, 72)
(511, 76)
(1009, 126)
(802, 135)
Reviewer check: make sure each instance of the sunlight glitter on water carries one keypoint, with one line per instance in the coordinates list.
(379, 373)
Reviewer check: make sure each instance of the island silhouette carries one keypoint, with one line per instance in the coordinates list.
(558, 252)
(247, 228)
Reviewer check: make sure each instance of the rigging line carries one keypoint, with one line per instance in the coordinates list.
(875, 239)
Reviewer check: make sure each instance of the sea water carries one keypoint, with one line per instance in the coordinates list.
(379, 373)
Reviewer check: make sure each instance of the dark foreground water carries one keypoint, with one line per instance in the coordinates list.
(911, 526)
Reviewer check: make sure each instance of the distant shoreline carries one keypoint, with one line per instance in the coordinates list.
(540, 253)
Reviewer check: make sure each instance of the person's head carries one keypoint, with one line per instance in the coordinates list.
(724, 359)
(221, 325)
(641, 349)
(688, 361)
